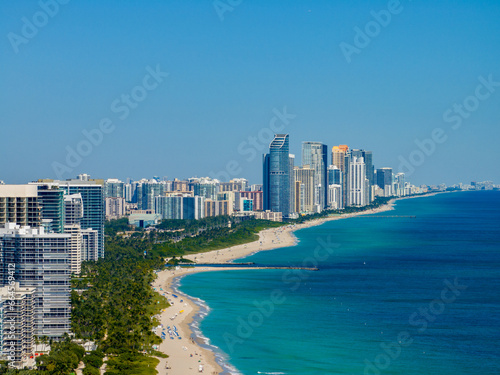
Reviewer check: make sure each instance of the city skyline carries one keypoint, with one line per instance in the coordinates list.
(147, 96)
(231, 175)
(148, 146)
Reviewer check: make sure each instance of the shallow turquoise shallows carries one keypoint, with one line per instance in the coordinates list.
(393, 295)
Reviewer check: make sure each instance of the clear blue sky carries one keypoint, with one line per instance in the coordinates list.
(226, 77)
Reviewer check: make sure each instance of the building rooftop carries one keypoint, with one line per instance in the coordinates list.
(21, 191)
(13, 229)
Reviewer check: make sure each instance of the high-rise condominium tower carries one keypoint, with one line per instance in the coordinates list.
(370, 171)
(114, 188)
(92, 193)
(292, 184)
(305, 177)
(42, 261)
(384, 181)
(338, 153)
(358, 183)
(73, 214)
(276, 176)
(338, 160)
(315, 155)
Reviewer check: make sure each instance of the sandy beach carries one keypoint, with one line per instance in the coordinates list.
(186, 356)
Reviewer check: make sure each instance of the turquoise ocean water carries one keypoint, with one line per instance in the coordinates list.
(392, 296)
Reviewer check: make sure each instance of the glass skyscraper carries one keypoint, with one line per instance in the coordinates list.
(51, 200)
(114, 188)
(334, 175)
(384, 180)
(193, 208)
(169, 207)
(51, 194)
(206, 189)
(94, 209)
(147, 192)
(277, 176)
(315, 155)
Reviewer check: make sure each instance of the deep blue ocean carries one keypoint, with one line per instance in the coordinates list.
(394, 295)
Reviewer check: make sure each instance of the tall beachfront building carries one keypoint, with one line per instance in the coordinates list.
(335, 188)
(358, 183)
(42, 261)
(370, 171)
(292, 185)
(92, 193)
(334, 175)
(315, 155)
(338, 153)
(73, 214)
(335, 197)
(338, 160)
(276, 176)
(384, 181)
(304, 180)
(399, 187)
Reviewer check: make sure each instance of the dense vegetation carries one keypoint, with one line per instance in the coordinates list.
(117, 306)
(112, 227)
(193, 226)
(218, 237)
(64, 357)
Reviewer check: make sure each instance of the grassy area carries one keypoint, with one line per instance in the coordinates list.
(216, 238)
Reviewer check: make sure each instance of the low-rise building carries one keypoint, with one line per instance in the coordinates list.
(269, 215)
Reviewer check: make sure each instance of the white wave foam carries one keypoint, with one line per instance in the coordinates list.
(220, 357)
